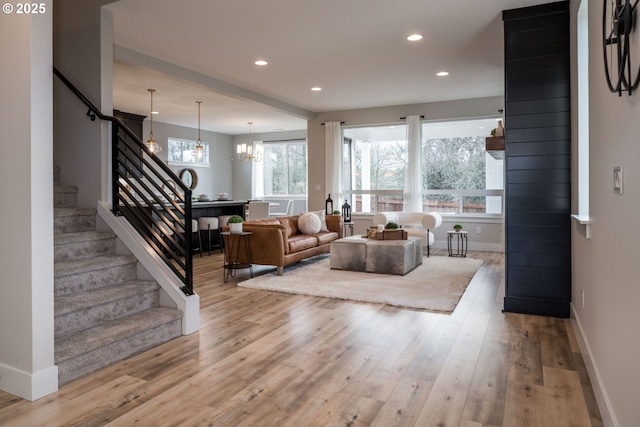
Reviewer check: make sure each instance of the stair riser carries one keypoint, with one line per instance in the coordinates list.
(94, 279)
(113, 352)
(65, 200)
(84, 250)
(74, 224)
(88, 318)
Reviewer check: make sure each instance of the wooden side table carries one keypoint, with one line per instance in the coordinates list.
(461, 244)
(234, 243)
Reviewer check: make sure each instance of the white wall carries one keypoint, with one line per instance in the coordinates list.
(606, 267)
(212, 180)
(26, 307)
(83, 53)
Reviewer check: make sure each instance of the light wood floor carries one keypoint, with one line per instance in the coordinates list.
(270, 359)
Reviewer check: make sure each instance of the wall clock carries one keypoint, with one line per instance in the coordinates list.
(618, 24)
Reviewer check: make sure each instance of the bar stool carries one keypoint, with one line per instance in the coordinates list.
(209, 224)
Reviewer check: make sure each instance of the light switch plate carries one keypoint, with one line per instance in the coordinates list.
(617, 180)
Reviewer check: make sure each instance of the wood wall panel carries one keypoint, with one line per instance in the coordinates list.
(538, 160)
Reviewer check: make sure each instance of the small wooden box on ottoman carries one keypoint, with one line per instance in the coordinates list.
(387, 234)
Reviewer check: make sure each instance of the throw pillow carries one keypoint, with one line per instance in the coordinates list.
(323, 219)
(309, 223)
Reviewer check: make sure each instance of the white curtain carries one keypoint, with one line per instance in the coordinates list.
(333, 164)
(257, 172)
(413, 173)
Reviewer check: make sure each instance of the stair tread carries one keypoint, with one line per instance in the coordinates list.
(82, 236)
(67, 268)
(69, 346)
(84, 300)
(62, 212)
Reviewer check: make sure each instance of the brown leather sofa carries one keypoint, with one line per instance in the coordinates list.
(279, 241)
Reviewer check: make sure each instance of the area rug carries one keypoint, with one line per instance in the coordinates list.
(436, 285)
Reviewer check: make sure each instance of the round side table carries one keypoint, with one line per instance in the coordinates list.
(234, 243)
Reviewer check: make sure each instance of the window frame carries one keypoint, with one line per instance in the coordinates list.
(352, 194)
(206, 161)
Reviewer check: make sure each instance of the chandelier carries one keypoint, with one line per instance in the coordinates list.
(198, 152)
(248, 151)
(152, 146)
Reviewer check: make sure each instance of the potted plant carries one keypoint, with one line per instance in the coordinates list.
(337, 212)
(457, 227)
(235, 223)
(391, 225)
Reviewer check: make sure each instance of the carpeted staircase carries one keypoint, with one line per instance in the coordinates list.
(103, 312)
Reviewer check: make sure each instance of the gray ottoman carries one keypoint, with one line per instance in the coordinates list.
(358, 253)
(393, 256)
(348, 253)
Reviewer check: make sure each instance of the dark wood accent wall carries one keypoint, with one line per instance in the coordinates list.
(538, 160)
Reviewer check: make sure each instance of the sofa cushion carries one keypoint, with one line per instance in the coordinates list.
(290, 225)
(301, 242)
(309, 223)
(328, 237)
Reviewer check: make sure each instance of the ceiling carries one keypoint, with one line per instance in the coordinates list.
(355, 50)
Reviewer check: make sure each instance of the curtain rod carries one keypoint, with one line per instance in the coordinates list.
(340, 123)
(405, 117)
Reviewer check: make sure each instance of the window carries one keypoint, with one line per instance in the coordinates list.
(457, 175)
(284, 169)
(180, 153)
(378, 161)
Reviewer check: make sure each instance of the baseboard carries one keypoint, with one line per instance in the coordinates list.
(473, 246)
(29, 386)
(604, 404)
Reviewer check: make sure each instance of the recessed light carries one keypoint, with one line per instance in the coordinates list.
(261, 62)
(316, 89)
(154, 112)
(442, 73)
(414, 37)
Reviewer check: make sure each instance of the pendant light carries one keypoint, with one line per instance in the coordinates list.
(246, 151)
(198, 152)
(152, 146)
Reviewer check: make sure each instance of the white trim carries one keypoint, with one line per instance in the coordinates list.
(472, 246)
(190, 305)
(586, 221)
(604, 403)
(29, 386)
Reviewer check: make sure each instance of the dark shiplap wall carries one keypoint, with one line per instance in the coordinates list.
(537, 153)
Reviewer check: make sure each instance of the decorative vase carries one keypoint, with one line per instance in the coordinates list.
(235, 227)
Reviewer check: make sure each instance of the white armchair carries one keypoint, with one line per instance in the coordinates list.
(418, 224)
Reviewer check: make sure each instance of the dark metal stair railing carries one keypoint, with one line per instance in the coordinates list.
(142, 192)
